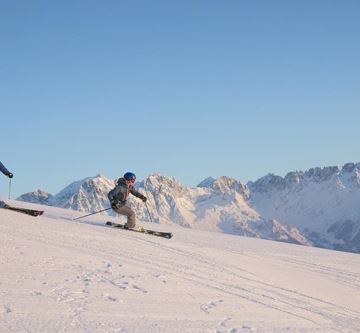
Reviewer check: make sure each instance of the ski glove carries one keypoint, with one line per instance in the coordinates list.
(9, 174)
(143, 198)
(114, 204)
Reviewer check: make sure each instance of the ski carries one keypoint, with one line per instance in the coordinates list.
(142, 230)
(31, 212)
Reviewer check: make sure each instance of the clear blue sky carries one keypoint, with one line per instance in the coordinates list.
(186, 88)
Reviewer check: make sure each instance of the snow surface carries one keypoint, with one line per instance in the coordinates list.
(60, 275)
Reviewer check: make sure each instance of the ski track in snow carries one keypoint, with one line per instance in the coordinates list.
(110, 269)
(344, 277)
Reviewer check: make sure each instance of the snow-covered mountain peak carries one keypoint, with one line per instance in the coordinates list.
(38, 196)
(226, 185)
(161, 184)
(86, 185)
(294, 180)
(350, 174)
(207, 182)
(322, 174)
(350, 167)
(267, 183)
(86, 194)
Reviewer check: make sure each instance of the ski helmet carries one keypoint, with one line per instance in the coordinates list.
(130, 176)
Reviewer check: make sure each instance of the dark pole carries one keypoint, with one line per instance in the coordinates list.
(148, 211)
(92, 213)
(148, 197)
(10, 188)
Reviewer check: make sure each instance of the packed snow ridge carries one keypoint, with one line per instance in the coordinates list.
(317, 207)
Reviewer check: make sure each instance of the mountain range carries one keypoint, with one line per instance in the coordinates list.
(318, 207)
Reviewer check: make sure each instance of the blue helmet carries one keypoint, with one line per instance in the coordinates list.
(130, 176)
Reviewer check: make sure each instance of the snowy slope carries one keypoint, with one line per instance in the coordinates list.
(59, 275)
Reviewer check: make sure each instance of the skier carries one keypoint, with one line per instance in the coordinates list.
(5, 171)
(118, 197)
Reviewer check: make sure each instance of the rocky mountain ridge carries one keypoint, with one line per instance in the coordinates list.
(317, 207)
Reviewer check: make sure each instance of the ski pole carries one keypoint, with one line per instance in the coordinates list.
(10, 188)
(92, 213)
(148, 197)
(148, 211)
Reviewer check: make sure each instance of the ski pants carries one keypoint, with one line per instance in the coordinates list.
(129, 213)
